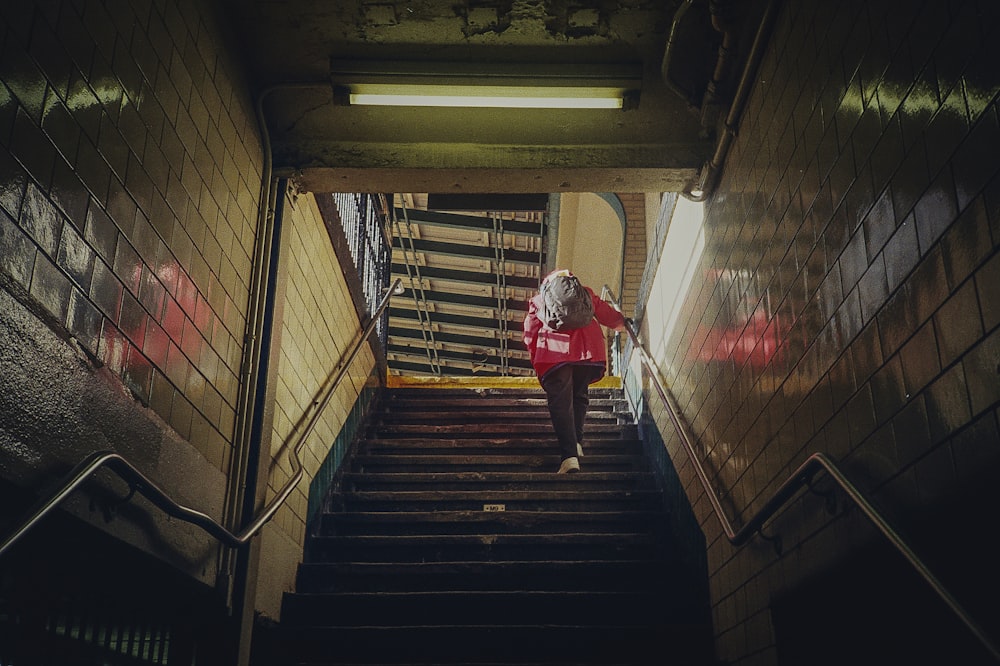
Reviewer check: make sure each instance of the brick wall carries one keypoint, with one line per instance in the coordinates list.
(634, 260)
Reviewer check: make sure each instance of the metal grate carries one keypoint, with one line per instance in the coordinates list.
(467, 278)
(363, 220)
(83, 631)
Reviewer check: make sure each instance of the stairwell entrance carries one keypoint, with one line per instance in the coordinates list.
(450, 539)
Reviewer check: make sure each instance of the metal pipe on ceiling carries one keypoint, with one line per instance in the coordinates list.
(708, 177)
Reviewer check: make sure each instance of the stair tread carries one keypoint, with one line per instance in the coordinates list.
(556, 565)
(492, 402)
(498, 608)
(544, 426)
(410, 565)
(679, 644)
(477, 406)
(434, 477)
(493, 480)
(445, 627)
(500, 439)
(485, 516)
(485, 391)
(486, 575)
(491, 538)
(478, 413)
(478, 521)
(429, 458)
(438, 595)
(569, 493)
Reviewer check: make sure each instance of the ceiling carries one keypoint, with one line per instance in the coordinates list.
(467, 277)
(288, 46)
(478, 266)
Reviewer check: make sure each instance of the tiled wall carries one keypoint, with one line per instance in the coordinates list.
(318, 324)
(845, 297)
(129, 176)
(129, 183)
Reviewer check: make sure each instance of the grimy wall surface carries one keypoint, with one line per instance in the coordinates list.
(130, 176)
(130, 180)
(845, 301)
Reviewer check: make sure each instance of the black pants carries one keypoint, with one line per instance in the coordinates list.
(566, 390)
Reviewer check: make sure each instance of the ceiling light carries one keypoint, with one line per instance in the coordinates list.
(520, 85)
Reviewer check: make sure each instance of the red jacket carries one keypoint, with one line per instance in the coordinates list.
(550, 348)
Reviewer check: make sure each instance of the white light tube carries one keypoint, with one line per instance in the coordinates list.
(481, 101)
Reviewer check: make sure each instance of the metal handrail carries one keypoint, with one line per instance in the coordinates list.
(141, 483)
(799, 479)
(417, 290)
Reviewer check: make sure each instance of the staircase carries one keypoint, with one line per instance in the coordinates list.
(451, 540)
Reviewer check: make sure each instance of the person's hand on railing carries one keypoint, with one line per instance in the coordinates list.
(626, 325)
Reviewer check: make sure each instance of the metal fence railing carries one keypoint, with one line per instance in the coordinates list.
(363, 218)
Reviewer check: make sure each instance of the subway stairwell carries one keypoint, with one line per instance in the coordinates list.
(451, 540)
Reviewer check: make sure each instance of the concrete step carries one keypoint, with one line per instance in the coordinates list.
(537, 575)
(552, 644)
(492, 403)
(571, 499)
(539, 463)
(484, 547)
(478, 480)
(495, 445)
(527, 429)
(444, 416)
(390, 523)
(472, 607)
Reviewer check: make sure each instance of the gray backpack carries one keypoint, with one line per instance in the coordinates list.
(566, 304)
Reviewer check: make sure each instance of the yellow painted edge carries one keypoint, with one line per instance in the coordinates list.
(398, 381)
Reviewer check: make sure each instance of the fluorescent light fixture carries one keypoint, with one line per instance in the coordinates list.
(483, 100)
(519, 86)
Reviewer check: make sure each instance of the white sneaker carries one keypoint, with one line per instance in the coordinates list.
(579, 449)
(569, 466)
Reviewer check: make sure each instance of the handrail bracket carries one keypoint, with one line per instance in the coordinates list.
(774, 540)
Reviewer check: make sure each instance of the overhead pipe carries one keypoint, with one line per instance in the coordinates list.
(668, 52)
(258, 317)
(724, 20)
(242, 478)
(243, 473)
(238, 566)
(708, 176)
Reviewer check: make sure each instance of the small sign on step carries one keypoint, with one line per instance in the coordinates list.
(494, 507)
